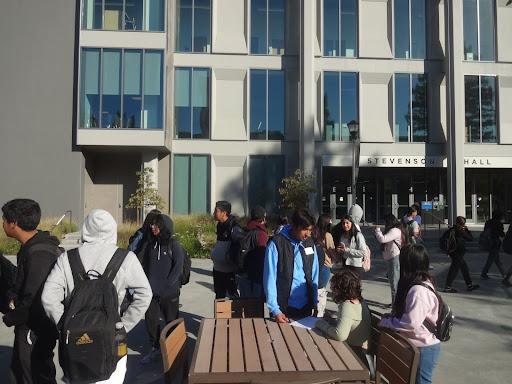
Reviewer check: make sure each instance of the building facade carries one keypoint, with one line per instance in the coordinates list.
(222, 98)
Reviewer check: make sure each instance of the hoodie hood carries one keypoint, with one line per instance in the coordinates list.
(42, 237)
(99, 228)
(286, 233)
(356, 213)
(166, 226)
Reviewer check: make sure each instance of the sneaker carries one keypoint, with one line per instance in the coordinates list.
(450, 290)
(151, 356)
(472, 287)
(484, 276)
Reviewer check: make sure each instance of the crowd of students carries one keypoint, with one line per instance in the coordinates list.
(291, 269)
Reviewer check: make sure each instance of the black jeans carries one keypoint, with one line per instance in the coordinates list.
(32, 356)
(224, 284)
(458, 262)
(161, 312)
(494, 257)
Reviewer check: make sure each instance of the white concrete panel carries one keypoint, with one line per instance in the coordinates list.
(505, 112)
(123, 39)
(121, 137)
(229, 26)
(229, 101)
(375, 28)
(230, 178)
(436, 107)
(376, 107)
(504, 30)
(435, 29)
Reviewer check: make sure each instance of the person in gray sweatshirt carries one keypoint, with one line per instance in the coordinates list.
(99, 236)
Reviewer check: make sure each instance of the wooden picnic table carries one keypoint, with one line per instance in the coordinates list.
(262, 351)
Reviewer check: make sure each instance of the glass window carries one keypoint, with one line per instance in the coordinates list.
(340, 104)
(192, 103)
(267, 120)
(267, 27)
(410, 29)
(340, 28)
(191, 184)
(479, 30)
(193, 25)
(132, 88)
(410, 108)
(130, 15)
(480, 109)
(265, 176)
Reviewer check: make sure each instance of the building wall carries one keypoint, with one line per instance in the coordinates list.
(37, 156)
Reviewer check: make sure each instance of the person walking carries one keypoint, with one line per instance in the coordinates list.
(391, 242)
(35, 335)
(411, 227)
(462, 234)
(350, 245)
(324, 247)
(496, 233)
(99, 237)
(414, 304)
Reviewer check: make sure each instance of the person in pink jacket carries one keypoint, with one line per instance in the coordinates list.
(415, 304)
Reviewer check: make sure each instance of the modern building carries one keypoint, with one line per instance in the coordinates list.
(222, 98)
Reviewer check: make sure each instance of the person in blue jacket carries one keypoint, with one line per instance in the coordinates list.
(290, 274)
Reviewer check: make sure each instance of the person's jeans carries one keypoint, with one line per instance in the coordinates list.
(458, 262)
(428, 361)
(393, 275)
(224, 285)
(494, 257)
(249, 289)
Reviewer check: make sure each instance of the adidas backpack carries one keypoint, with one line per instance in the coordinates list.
(87, 328)
(445, 319)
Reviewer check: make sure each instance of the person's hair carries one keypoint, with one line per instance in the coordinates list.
(224, 206)
(345, 285)
(150, 219)
(283, 220)
(414, 267)
(460, 220)
(353, 230)
(390, 222)
(26, 213)
(258, 213)
(411, 210)
(323, 225)
(302, 219)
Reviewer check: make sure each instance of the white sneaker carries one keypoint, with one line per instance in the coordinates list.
(151, 356)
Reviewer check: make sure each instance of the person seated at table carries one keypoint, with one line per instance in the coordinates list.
(353, 324)
(290, 271)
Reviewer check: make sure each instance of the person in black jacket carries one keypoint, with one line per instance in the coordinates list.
(497, 233)
(34, 333)
(7, 281)
(163, 265)
(462, 234)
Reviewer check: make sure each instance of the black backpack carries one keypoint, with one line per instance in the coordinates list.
(445, 320)
(507, 241)
(87, 350)
(448, 241)
(243, 242)
(187, 263)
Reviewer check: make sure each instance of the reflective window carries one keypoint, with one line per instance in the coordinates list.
(409, 29)
(129, 15)
(479, 30)
(191, 184)
(267, 27)
(193, 25)
(340, 28)
(192, 103)
(265, 176)
(267, 115)
(410, 108)
(480, 109)
(127, 85)
(340, 104)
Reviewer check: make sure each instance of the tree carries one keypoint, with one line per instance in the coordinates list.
(146, 195)
(295, 190)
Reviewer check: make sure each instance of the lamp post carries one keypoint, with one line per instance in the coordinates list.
(353, 128)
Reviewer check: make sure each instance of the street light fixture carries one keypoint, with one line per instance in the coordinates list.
(353, 128)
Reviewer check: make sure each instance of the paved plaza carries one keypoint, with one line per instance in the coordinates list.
(480, 350)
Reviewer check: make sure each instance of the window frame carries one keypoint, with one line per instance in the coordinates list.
(496, 109)
(266, 157)
(356, 50)
(478, 33)
(410, 33)
(249, 22)
(192, 32)
(208, 181)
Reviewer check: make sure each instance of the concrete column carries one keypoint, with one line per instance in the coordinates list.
(455, 110)
(308, 92)
(150, 160)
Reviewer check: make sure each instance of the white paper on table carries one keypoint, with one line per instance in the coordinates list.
(307, 322)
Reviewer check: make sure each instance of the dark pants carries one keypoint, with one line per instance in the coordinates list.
(224, 284)
(161, 312)
(494, 257)
(458, 262)
(297, 314)
(32, 356)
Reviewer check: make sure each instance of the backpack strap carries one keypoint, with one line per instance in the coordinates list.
(77, 268)
(114, 264)
(432, 328)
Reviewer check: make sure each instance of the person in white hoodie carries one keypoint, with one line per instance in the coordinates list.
(99, 236)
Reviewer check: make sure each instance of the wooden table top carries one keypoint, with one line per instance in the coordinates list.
(262, 351)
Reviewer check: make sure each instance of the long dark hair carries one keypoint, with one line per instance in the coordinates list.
(414, 267)
(150, 220)
(390, 222)
(353, 230)
(323, 225)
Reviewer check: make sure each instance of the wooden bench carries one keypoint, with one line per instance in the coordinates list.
(239, 308)
(173, 345)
